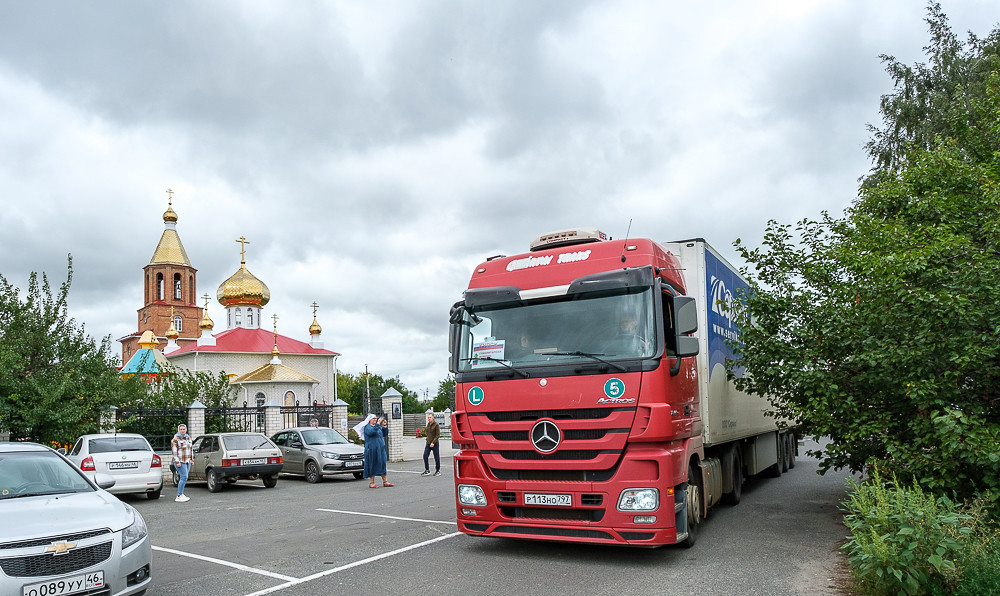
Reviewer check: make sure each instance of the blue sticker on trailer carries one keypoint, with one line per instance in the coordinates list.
(723, 284)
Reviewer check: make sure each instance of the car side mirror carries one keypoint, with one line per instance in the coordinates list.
(296, 445)
(104, 481)
(61, 450)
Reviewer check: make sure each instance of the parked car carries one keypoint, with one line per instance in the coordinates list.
(228, 457)
(126, 456)
(62, 533)
(317, 452)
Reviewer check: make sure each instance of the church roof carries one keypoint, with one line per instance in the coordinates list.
(170, 250)
(258, 341)
(274, 372)
(146, 361)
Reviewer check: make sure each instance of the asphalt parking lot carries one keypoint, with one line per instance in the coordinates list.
(339, 536)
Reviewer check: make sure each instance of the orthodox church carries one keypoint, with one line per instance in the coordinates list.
(264, 366)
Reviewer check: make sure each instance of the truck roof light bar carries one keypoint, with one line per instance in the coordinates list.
(567, 238)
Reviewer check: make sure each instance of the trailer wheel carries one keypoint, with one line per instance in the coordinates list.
(775, 470)
(793, 446)
(733, 498)
(693, 506)
(784, 452)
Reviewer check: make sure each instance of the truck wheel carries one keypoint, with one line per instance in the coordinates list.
(693, 507)
(793, 446)
(212, 477)
(784, 452)
(734, 497)
(775, 470)
(312, 472)
(270, 481)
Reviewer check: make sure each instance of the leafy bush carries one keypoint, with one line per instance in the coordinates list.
(904, 541)
(352, 436)
(981, 569)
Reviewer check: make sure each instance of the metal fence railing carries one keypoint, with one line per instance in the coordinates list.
(245, 419)
(158, 425)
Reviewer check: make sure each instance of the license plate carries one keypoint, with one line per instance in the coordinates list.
(549, 500)
(354, 464)
(123, 465)
(259, 460)
(67, 585)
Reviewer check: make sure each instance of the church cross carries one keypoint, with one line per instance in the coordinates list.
(315, 306)
(170, 197)
(243, 249)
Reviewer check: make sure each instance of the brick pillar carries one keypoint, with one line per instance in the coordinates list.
(390, 398)
(196, 419)
(273, 420)
(338, 417)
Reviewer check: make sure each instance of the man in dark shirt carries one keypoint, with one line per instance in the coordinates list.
(433, 434)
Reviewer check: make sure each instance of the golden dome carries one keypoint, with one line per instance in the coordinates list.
(148, 341)
(315, 329)
(206, 322)
(170, 250)
(243, 288)
(172, 332)
(169, 215)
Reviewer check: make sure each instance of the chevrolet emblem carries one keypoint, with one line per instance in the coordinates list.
(60, 548)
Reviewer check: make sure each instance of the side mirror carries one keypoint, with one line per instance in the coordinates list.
(61, 450)
(685, 322)
(296, 445)
(104, 481)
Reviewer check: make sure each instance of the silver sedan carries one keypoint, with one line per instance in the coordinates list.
(64, 535)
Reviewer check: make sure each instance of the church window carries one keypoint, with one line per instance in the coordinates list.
(178, 323)
(239, 317)
(260, 398)
(177, 286)
(249, 317)
(159, 286)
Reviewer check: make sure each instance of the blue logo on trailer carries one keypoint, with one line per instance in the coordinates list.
(723, 285)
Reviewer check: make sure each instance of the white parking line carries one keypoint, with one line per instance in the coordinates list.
(426, 521)
(226, 563)
(296, 582)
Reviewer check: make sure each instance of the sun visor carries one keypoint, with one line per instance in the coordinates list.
(632, 277)
(478, 297)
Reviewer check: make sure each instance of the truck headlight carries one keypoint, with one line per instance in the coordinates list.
(470, 494)
(639, 499)
(135, 532)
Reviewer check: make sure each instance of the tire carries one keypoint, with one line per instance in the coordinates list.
(734, 497)
(775, 470)
(359, 475)
(175, 476)
(784, 453)
(270, 481)
(153, 495)
(214, 484)
(793, 446)
(693, 507)
(312, 472)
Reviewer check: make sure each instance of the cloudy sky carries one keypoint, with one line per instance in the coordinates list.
(374, 152)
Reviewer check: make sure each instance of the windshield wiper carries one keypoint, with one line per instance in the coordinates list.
(261, 445)
(592, 356)
(492, 359)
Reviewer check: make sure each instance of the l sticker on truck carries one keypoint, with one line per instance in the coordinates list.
(476, 395)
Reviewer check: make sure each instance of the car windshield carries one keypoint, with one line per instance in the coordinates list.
(322, 436)
(236, 442)
(29, 474)
(611, 325)
(113, 444)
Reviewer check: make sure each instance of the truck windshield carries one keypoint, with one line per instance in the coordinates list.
(612, 325)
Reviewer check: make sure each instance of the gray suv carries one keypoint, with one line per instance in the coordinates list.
(315, 452)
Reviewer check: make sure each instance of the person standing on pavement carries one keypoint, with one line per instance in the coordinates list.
(180, 447)
(375, 453)
(433, 434)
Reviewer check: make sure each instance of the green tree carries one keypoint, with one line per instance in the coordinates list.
(55, 380)
(880, 329)
(351, 388)
(181, 387)
(445, 393)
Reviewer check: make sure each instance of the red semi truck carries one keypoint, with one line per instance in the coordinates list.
(592, 402)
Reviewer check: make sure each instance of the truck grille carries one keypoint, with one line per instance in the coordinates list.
(48, 564)
(579, 515)
(530, 415)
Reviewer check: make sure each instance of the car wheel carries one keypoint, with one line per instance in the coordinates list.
(312, 472)
(153, 495)
(359, 475)
(270, 481)
(175, 476)
(213, 481)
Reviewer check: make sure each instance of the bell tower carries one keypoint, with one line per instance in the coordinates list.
(170, 291)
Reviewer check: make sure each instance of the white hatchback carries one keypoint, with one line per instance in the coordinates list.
(126, 456)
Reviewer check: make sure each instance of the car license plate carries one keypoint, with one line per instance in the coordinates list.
(258, 460)
(354, 464)
(123, 465)
(67, 585)
(548, 500)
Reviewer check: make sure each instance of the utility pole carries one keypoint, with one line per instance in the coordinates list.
(368, 396)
